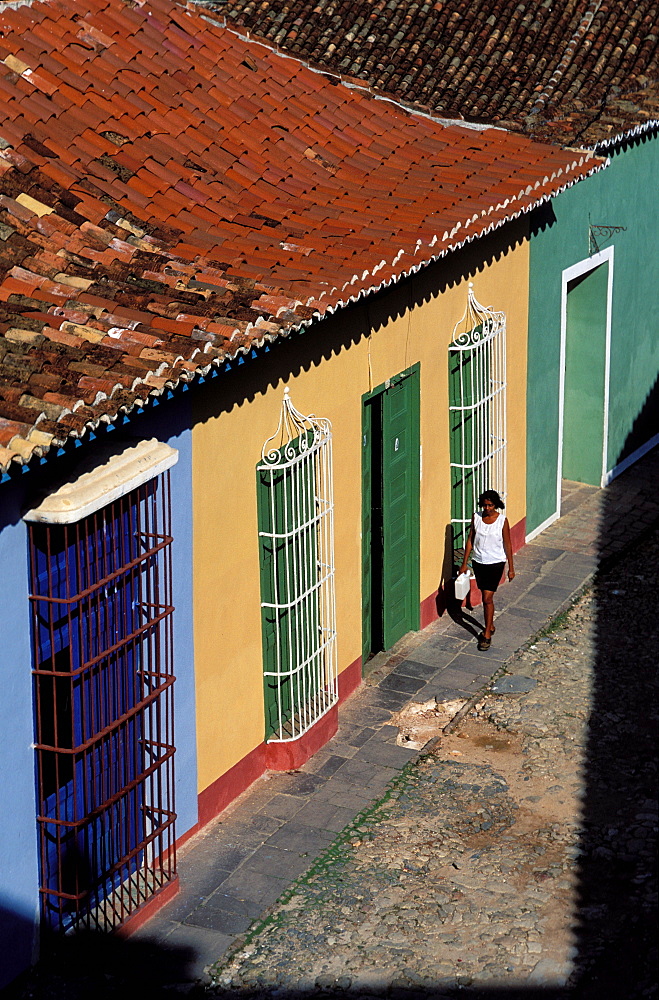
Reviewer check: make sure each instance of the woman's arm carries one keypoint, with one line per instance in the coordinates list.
(468, 547)
(508, 549)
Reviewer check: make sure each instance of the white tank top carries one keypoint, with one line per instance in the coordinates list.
(488, 541)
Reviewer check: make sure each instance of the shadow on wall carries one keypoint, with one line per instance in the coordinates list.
(450, 568)
(17, 943)
(445, 601)
(289, 356)
(645, 426)
(90, 965)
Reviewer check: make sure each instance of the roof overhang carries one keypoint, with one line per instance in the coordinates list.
(606, 145)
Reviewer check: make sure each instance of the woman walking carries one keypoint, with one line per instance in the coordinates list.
(489, 541)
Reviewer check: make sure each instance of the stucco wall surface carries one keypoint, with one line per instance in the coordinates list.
(19, 877)
(622, 195)
(170, 421)
(328, 369)
(19, 871)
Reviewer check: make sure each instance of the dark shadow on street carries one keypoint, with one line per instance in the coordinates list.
(463, 618)
(103, 966)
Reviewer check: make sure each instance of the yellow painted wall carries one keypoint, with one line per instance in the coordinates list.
(328, 369)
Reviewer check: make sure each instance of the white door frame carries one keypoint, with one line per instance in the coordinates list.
(568, 275)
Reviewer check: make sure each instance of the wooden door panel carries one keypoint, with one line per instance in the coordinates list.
(400, 479)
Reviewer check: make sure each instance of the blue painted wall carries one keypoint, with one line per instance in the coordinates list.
(19, 877)
(624, 194)
(168, 421)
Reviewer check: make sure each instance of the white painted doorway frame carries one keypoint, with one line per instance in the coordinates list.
(568, 275)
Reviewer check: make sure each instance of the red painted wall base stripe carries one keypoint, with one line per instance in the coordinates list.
(288, 756)
(350, 679)
(214, 799)
(518, 535)
(149, 909)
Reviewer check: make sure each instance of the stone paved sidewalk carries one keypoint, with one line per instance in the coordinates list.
(242, 863)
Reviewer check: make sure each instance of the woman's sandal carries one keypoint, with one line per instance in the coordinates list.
(484, 643)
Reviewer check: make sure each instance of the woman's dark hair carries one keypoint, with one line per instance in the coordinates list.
(493, 496)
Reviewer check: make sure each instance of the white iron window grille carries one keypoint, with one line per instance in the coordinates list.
(298, 612)
(477, 411)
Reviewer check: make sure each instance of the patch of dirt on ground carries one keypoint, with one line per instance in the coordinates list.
(421, 722)
(479, 741)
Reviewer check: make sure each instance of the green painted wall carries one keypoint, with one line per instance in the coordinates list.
(624, 194)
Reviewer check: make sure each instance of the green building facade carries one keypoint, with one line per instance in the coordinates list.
(593, 358)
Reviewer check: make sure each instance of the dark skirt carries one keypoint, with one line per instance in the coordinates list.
(488, 575)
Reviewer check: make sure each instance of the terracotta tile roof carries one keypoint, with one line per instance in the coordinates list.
(574, 72)
(172, 195)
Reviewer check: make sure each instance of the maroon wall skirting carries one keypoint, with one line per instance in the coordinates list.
(294, 753)
(350, 679)
(149, 909)
(274, 756)
(214, 799)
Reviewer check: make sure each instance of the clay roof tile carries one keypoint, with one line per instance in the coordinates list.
(182, 219)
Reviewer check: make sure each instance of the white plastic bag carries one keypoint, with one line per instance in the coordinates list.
(462, 585)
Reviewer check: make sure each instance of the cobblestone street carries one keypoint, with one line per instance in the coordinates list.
(518, 853)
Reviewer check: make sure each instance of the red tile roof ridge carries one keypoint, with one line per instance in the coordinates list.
(450, 245)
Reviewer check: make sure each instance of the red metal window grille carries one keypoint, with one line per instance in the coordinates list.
(101, 596)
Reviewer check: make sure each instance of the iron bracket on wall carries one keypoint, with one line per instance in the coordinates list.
(598, 236)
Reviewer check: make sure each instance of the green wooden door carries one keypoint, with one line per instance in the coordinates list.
(585, 358)
(371, 534)
(390, 528)
(400, 508)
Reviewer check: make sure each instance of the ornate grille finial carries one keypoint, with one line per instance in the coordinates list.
(478, 323)
(295, 434)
